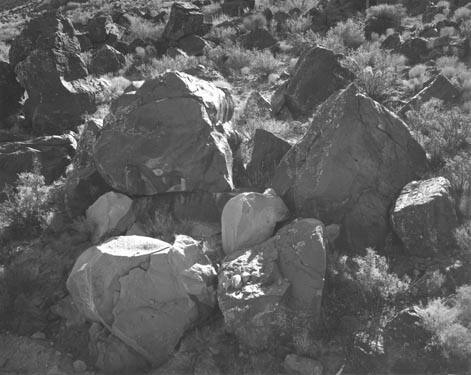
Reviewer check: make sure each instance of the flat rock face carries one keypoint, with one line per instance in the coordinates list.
(54, 154)
(185, 19)
(259, 285)
(110, 214)
(164, 138)
(140, 288)
(10, 91)
(424, 217)
(349, 167)
(250, 218)
(316, 76)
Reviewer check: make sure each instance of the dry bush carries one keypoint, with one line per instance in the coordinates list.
(418, 76)
(143, 29)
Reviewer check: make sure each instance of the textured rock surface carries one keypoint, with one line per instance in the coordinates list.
(145, 291)
(424, 217)
(267, 152)
(297, 365)
(111, 214)
(258, 285)
(349, 167)
(165, 137)
(10, 91)
(54, 154)
(185, 19)
(106, 60)
(317, 74)
(258, 39)
(250, 218)
(101, 29)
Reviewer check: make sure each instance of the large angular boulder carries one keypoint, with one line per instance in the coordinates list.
(236, 8)
(106, 60)
(424, 217)
(250, 218)
(350, 166)
(267, 152)
(185, 19)
(84, 185)
(53, 153)
(101, 29)
(10, 91)
(111, 214)
(260, 287)
(440, 88)
(166, 137)
(317, 74)
(193, 45)
(145, 291)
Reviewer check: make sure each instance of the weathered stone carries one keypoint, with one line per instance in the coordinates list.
(250, 218)
(193, 45)
(10, 91)
(316, 76)
(106, 60)
(110, 215)
(145, 291)
(296, 365)
(258, 39)
(267, 152)
(424, 217)
(236, 8)
(165, 138)
(185, 19)
(440, 88)
(286, 276)
(101, 29)
(349, 167)
(392, 42)
(53, 153)
(415, 50)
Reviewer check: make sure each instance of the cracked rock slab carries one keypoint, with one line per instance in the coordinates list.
(349, 167)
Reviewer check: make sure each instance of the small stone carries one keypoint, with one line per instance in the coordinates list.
(79, 366)
(38, 336)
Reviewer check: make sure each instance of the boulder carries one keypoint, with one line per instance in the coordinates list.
(53, 153)
(84, 185)
(392, 42)
(318, 68)
(349, 167)
(297, 365)
(110, 215)
(250, 218)
(267, 152)
(193, 45)
(101, 29)
(166, 137)
(440, 88)
(106, 60)
(258, 39)
(185, 19)
(46, 57)
(236, 8)
(146, 292)
(10, 91)
(424, 217)
(263, 288)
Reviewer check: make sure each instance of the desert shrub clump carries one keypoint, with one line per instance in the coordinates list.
(345, 35)
(29, 206)
(450, 323)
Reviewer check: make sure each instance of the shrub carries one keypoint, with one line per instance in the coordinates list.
(381, 17)
(29, 206)
(418, 76)
(450, 323)
(378, 71)
(264, 63)
(442, 131)
(349, 34)
(254, 22)
(143, 29)
(463, 239)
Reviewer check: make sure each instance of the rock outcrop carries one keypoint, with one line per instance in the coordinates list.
(146, 292)
(185, 19)
(53, 153)
(167, 136)
(317, 74)
(10, 91)
(106, 60)
(250, 218)
(350, 166)
(46, 57)
(263, 287)
(424, 217)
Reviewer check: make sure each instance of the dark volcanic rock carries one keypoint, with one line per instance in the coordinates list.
(258, 39)
(317, 75)
(350, 166)
(236, 8)
(166, 137)
(10, 91)
(106, 60)
(185, 19)
(101, 29)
